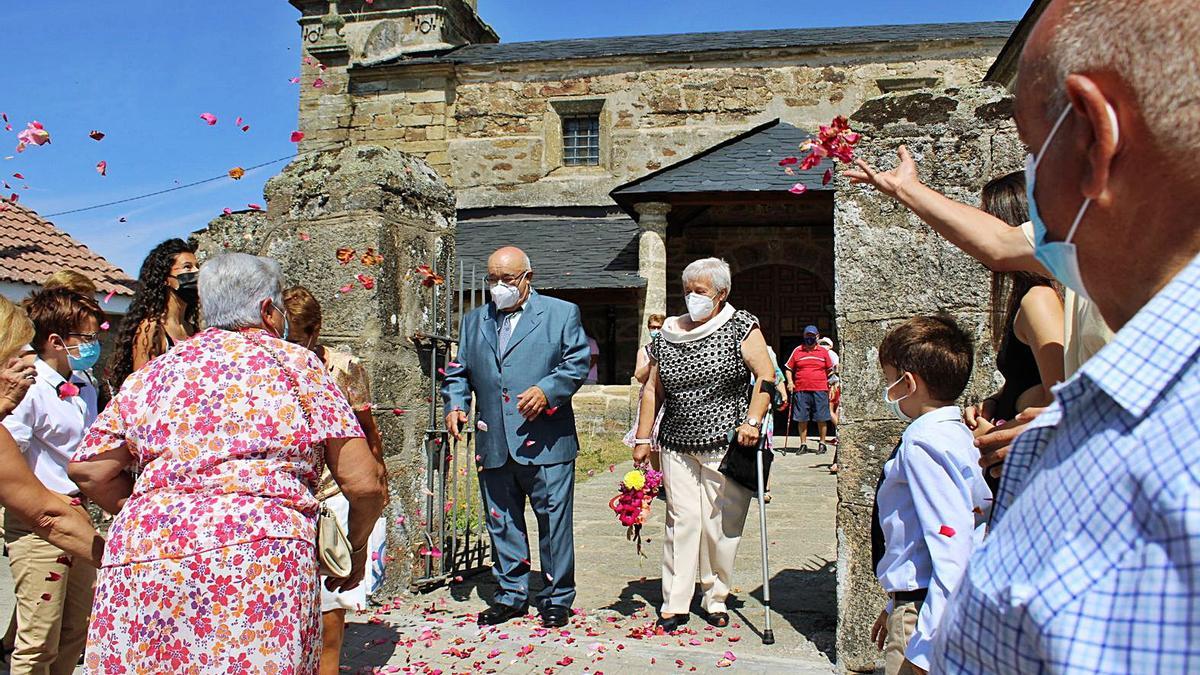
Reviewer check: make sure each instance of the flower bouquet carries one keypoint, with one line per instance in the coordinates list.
(637, 491)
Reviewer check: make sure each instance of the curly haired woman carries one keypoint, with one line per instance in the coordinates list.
(164, 311)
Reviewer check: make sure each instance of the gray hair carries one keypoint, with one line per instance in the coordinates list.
(1154, 47)
(232, 287)
(715, 270)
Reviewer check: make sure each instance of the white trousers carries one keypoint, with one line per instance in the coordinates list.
(706, 513)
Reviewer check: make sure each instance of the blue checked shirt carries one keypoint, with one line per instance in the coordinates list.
(1093, 561)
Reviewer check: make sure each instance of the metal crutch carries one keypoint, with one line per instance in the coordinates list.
(768, 637)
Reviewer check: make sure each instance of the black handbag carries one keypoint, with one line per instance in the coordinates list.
(740, 465)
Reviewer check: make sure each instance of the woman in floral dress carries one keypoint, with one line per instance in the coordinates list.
(211, 565)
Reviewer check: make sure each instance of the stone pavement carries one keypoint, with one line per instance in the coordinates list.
(435, 632)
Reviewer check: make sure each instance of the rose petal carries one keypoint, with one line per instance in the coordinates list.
(946, 531)
(318, 83)
(237, 172)
(46, 597)
(105, 326)
(798, 189)
(297, 136)
(255, 207)
(53, 576)
(96, 135)
(210, 118)
(102, 168)
(827, 177)
(227, 210)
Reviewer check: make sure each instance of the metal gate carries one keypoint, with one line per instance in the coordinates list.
(456, 542)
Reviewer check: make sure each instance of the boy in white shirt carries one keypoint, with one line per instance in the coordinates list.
(53, 595)
(931, 502)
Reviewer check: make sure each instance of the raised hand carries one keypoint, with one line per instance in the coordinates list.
(888, 182)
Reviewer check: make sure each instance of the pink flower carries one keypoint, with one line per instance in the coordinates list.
(210, 118)
(34, 134)
(66, 390)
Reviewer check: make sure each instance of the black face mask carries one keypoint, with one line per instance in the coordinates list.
(188, 291)
(810, 340)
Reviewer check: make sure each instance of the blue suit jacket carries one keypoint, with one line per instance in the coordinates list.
(548, 348)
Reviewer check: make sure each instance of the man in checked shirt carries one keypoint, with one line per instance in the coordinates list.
(1092, 564)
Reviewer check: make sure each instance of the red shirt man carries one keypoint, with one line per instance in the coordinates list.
(810, 368)
(808, 371)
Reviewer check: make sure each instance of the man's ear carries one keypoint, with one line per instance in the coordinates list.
(1099, 123)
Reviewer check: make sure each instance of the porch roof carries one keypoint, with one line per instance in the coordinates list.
(567, 252)
(746, 163)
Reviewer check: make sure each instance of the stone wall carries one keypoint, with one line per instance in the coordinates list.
(891, 266)
(494, 132)
(604, 408)
(365, 197)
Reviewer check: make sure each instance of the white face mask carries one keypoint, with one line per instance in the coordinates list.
(699, 306)
(894, 406)
(506, 296)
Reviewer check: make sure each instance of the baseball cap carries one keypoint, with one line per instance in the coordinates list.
(811, 329)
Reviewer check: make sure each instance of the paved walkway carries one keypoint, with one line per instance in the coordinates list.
(436, 633)
(618, 591)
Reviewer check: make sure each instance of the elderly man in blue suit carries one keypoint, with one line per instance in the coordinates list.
(523, 356)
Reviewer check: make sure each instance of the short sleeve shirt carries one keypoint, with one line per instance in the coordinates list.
(810, 368)
(226, 456)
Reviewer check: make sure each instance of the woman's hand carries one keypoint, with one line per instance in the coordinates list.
(985, 411)
(641, 453)
(747, 435)
(879, 630)
(15, 380)
(358, 570)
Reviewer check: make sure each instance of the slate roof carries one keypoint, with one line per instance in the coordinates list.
(566, 252)
(32, 248)
(683, 43)
(748, 162)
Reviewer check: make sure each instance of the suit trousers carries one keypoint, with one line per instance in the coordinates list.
(53, 602)
(706, 513)
(550, 490)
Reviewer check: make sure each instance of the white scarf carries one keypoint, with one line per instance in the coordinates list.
(672, 332)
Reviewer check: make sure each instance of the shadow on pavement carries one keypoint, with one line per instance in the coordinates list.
(806, 599)
(368, 645)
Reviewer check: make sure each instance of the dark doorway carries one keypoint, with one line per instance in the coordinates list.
(785, 298)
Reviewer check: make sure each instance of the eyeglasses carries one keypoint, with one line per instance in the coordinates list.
(506, 279)
(91, 337)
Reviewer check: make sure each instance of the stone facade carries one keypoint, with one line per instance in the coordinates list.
(364, 197)
(891, 266)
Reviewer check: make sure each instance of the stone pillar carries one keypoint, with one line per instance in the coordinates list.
(360, 198)
(652, 261)
(960, 138)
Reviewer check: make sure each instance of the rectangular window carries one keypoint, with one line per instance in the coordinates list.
(581, 140)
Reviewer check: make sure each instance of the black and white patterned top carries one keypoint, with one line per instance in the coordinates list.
(707, 385)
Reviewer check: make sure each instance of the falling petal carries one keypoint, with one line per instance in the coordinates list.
(122, 219)
(96, 135)
(297, 136)
(109, 296)
(237, 122)
(318, 83)
(210, 118)
(246, 128)
(550, 411)
(827, 177)
(798, 189)
(105, 326)
(255, 207)
(397, 411)
(788, 161)
(18, 176)
(530, 443)
(294, 80)
(102, 168)
(237, 172)
(53, 576)
(227, 210)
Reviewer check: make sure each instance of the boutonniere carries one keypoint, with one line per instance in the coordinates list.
(66, 390)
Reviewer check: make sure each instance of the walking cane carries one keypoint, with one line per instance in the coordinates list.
(768, 637)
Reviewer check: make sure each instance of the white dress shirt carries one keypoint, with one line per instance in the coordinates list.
(932, 503)
(48, 428)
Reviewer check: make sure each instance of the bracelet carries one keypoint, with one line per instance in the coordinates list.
(643, 441)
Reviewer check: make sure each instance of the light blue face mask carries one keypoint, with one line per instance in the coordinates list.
(286, 328)
(894, 406)
(89, 354)
(1060, 258)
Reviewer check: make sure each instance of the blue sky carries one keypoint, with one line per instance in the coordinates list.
(142, 72)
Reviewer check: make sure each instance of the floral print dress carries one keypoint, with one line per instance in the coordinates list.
(211, 565)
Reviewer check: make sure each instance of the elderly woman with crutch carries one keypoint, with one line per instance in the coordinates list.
(702, 364)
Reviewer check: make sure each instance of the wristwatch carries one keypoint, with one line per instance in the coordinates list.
(753, 421)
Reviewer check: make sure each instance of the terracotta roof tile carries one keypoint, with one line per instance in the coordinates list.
(32, 248)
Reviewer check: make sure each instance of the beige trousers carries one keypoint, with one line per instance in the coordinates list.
(53, 602)
(901, 625)
(705, 516)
